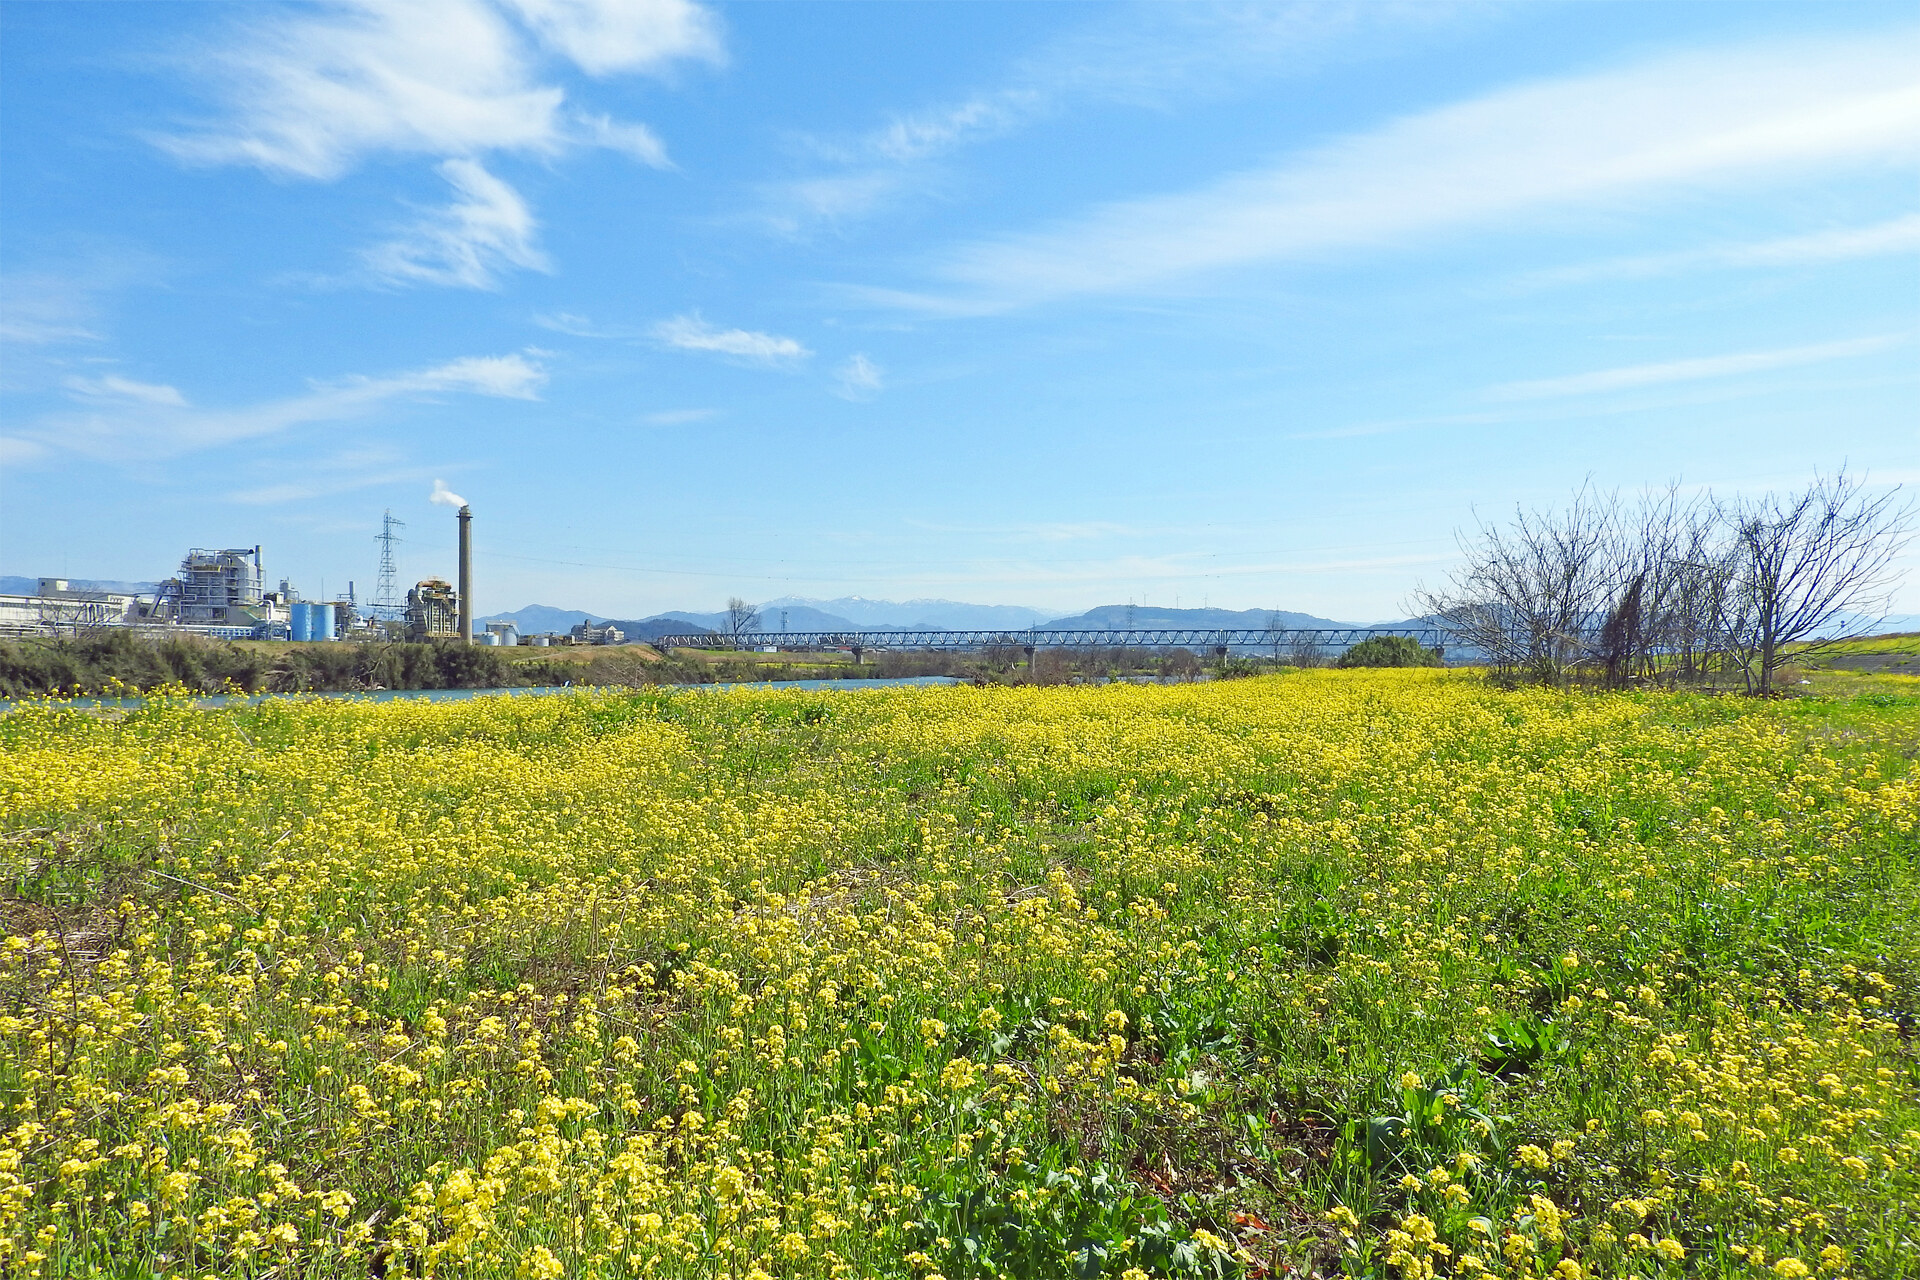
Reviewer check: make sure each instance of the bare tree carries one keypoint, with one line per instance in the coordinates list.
(741, 617)
(1688, 605)
(1532, 596)
(1304, 650)
(1668, 602)
(1809, 563)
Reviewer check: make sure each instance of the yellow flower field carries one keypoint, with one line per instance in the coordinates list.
(1333, 973)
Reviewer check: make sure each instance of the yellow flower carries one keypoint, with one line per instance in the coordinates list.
(540, 1264)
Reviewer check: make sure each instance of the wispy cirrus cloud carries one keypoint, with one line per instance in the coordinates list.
(312, 92)
(691, 333)
(40, 310)
(1632, 377)
(116, 419)
(1837, 244)
(859, 378)
(485, 230)
(1145, 55)
(579, 326)
(678, 417)
(604, 37)
(344, 471)
(60, 301)
(1760, 113)
(112, 387)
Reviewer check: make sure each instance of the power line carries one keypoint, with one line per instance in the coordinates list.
(386, 592)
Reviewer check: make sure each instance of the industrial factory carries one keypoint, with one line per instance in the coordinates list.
(221, 594)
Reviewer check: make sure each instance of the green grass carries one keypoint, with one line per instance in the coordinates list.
(1313, 975)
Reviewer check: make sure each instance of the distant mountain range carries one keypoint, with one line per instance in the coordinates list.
(1109, 616)
(14, 585)
(852, 613)
(907, 615)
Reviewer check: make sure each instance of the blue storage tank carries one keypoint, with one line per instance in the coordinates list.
(302, 620)
(322, 625)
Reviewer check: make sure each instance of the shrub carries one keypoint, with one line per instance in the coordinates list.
(1389, 651)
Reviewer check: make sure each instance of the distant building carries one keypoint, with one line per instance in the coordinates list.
(433, 610)
(587, 633)
(506, 634)
(215, 588)
(58, 608)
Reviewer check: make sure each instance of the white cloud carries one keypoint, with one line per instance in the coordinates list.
(1896, 236)
(1156, 52)
(60, 301)
(860, 378)
(347, 471)
(15, 451)
(1143, 55)
(691, 333)
(41, 310)
(605, 36)
(510, 377)
(114, 387)
(488, 227)
(574, 326)
(930, 133)
(635, 141)
(445, 497)
(312, 92)
(116, 419)
(789, 208)
(1648, 375)
(1674, 123)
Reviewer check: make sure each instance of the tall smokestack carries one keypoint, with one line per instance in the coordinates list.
(466, 575)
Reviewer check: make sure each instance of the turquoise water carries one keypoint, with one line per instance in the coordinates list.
(461, 695)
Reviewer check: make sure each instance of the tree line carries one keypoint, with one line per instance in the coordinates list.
(1674, 588)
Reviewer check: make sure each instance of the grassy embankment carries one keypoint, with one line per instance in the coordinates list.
(1381, 974)
(1888, 664)
(119, 660)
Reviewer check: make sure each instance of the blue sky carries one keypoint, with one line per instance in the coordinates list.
(1046, 304)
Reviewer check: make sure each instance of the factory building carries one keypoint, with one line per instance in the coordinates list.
(433, 610)
(587, 633)
(216, 588)
(58, 608)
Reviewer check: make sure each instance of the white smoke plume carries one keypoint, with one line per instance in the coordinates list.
(445, 497)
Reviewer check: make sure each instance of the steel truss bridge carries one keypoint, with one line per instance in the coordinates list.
(1215, 638)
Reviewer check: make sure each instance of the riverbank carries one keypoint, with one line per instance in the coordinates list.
(117, 662)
